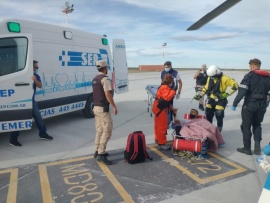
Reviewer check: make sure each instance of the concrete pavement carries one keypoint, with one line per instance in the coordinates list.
(74, 139)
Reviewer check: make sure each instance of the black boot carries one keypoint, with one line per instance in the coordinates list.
(96, 153)
(103, 158)
(201, 107)
(244, 150)
(257, 149)
(219, 128)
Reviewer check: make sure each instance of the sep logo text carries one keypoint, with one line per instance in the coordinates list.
(6, 93)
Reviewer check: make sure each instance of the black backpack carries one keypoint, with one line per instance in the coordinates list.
(136, 148)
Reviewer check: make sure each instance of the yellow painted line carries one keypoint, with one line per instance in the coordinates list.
(69, 161)
(225, 160)
(123, 193)
(45, 185)
(13, 185)
(173, 162)
(238, 170)
(6, 171)
(44, 180)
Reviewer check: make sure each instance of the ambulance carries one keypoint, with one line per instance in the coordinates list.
(66, 59)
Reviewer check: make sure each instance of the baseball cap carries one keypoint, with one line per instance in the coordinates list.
(168, 63)
(101, 64)
(255, 61)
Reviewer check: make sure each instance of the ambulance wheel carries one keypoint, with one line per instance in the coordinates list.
(88, 109)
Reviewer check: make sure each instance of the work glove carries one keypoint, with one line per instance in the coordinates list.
(223, 95)
(197, 97)
(177, 96)
(233, 108)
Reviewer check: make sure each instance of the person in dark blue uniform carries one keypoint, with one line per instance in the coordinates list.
(35, 113)
(254, 87)
(176, 85)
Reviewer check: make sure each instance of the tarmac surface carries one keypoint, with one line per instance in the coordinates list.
(64, 170)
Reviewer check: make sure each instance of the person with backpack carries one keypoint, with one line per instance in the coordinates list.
(102, 99)
(160, 109)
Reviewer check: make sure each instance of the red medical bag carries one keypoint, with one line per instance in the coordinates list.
(193, 145)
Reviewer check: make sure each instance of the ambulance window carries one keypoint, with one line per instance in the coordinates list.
(13, 52)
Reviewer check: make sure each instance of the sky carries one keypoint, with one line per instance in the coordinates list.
(229, 41)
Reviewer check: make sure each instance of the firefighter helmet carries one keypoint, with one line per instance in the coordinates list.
(213, 71)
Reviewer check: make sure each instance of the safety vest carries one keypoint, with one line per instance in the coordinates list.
(218, 85)
(98, 91)
(214, 87)
(201, 79)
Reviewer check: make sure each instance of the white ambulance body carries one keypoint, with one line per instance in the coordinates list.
(66, 59)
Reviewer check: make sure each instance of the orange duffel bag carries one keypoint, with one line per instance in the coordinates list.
(192, 145)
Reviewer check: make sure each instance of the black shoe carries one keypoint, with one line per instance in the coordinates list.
(96, 153)
(102, 158)
(164, 147)
(201, 107)
(46, 137)
(244, 150)
(15, 143)
(257, 149)
(220, 129)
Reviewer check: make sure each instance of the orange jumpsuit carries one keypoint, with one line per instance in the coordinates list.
(161, 121)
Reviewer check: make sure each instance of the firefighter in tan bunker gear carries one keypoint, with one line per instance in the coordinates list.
(102, 99)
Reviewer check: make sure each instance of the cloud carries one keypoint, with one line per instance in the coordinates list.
(146, 25)
(206, 37)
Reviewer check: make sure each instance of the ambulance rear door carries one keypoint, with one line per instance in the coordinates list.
(16, 85)
(120, 78)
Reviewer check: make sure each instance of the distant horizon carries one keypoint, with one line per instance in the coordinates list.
(232, 69)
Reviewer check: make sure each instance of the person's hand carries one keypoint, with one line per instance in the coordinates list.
(233, 108)
(223, 95)
(115, 111)
(177, 96)
(175, 111)
(197, 97)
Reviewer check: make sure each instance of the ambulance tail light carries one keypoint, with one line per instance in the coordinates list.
(14, 27)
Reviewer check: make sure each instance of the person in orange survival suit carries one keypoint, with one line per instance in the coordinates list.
(160, 107)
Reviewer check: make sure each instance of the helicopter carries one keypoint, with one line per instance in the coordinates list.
(213, 14)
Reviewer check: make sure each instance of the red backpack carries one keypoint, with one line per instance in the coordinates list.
(136, 148)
